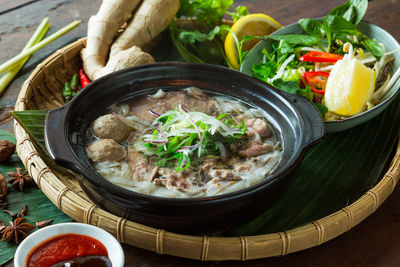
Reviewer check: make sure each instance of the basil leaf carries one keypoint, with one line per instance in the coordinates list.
(284, 47)
(293, 87)
(327, 30)
(296, 39)
(339, 25)
(353, 10)
(341, 10)
(373, 47)
(190, 37)
(290, 87)
(312, 27)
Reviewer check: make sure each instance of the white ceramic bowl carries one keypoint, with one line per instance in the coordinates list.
(114, 249)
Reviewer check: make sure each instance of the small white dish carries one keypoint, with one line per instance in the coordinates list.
(114, 249)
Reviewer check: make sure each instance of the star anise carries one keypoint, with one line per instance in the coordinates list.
(24, 211)
(13, 215)
(17, 231)
(19, 179)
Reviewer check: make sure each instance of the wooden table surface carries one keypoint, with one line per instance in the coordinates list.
(374, 242)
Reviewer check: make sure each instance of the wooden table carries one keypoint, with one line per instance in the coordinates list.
(374, 242)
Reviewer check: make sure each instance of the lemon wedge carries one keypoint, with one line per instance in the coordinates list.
(350, 86)
(254, 25)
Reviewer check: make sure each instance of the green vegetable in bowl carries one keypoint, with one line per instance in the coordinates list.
(302, 63)
(205, 43)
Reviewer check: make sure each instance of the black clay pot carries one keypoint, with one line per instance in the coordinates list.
(295, 119)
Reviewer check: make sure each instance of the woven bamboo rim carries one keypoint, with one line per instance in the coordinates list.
(42, 91)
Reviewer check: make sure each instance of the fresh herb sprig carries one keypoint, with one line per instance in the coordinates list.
(181, 137)
(340, 23)
(205, 43)
(338, 27)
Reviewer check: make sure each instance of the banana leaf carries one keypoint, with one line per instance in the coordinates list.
(332, 175)
(33, 123)
(39, 206)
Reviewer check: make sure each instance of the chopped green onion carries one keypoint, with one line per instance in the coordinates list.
(180, 162)
(182, 134)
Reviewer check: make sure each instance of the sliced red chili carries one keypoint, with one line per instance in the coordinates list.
(316, 80)
(318, 56)
(83, 78)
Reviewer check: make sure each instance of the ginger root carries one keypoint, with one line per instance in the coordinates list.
(149, 18)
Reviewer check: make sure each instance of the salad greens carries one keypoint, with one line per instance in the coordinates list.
(204, 44)
(352, 10)
(281, 66)
(181, 137)
(284, 68)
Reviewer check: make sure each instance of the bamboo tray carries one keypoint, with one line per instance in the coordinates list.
(42, 91)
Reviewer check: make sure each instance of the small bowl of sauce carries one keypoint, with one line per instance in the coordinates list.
(69, 244)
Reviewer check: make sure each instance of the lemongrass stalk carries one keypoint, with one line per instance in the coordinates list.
(38, 46)
(36, 37)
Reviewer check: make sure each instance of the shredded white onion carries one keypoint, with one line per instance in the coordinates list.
(310, 49)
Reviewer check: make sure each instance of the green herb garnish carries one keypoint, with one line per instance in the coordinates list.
(205, 43)
(180, 137)
(281, 65)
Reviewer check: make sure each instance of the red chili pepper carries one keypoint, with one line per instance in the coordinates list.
(317, 56)
(83, 78)
(316, 80)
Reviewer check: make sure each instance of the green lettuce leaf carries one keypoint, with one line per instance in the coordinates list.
(352, 10)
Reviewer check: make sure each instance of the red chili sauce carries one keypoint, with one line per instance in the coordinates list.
(64, 247)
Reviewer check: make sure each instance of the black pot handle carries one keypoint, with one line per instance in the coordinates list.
(314, 123)
(56, 140)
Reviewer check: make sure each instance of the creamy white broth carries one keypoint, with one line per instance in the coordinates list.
(231, 165)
